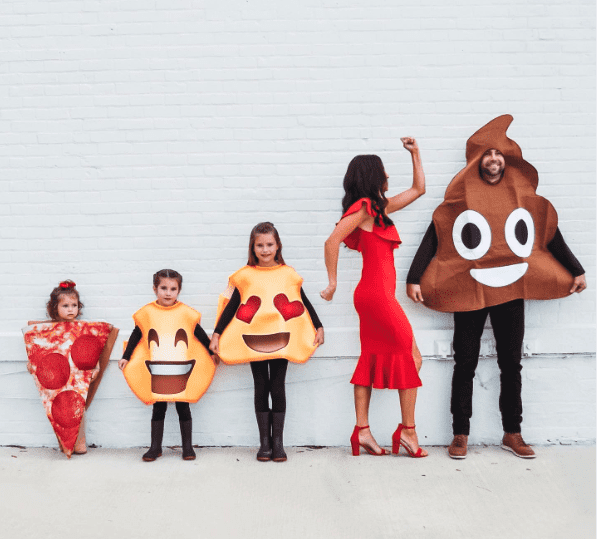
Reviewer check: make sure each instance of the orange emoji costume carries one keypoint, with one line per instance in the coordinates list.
(169, 364)
(271, 322)
(492, 239)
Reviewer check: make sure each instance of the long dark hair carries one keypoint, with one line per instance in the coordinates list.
(264, 228)
(365, 178)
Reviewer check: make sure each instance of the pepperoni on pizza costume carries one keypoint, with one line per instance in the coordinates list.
(62, 357)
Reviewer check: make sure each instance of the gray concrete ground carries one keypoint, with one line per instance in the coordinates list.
(325, 493)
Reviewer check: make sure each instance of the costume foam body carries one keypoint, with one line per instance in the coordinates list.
(62, 357)
(169, 363)
(492, 239)
(271, 322)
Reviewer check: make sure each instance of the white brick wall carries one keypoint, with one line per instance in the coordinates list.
(139, 135)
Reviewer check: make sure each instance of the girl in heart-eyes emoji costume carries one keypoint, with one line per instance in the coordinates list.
(267, 320)
(167, 359)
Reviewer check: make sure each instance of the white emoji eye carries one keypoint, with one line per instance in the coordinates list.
(520, 232)
(471, 235)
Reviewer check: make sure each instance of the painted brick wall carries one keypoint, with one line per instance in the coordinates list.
(137, 135)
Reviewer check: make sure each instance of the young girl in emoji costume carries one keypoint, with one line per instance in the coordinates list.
(167, 359)
(67, 358)
(267, 322)
(492, 244)
(389, 355)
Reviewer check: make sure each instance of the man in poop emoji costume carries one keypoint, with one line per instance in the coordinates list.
(492, 244)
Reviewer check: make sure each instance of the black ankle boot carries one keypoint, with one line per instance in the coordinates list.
(278, 453)
(264, 423)
(186, 431)
(157, 432)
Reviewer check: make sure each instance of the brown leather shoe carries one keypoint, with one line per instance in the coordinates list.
(458, 447)
(513, 442)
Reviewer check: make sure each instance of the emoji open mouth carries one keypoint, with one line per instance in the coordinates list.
(169, 377)
(498, 277)
(267, 343)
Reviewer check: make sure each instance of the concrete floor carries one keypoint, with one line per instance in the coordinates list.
(325, 493)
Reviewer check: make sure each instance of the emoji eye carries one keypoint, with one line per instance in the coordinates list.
(520, 232)
(247, 311)
(471, 235)
(153, 336)
(181, 335)
(287, 309)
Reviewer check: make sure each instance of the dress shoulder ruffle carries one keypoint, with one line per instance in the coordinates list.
(388, 233)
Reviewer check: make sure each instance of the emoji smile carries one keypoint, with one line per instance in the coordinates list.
(267, 343)
(169, 377)
(501, 276)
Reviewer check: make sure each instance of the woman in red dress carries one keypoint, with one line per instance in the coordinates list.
(389, 355)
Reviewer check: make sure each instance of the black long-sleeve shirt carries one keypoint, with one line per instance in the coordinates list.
(234, 303)
(557, 247)
(136, 335)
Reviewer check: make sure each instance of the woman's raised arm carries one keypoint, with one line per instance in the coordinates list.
(405, 198)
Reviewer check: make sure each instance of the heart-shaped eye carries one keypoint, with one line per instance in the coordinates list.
(247, 311)
(288, 310)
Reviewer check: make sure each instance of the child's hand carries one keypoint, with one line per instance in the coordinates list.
(214, 345)
(216, 359)
(328, 293)
(318, 337)
(122, 363)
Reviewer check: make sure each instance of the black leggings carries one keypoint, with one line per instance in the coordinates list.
(269, 377)
(159, 411)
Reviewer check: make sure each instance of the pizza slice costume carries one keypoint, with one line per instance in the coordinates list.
(386, 359)
(62, 357)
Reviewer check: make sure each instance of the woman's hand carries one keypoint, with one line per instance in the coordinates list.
(410, 144)
(413, 291)
(328, 293)
(319, 338)
(122, 363)
(29, 367)
(214, 344)
(94, 374)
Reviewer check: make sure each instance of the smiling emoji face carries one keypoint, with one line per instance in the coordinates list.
(169, 363)
(493, 230)
(271, 321)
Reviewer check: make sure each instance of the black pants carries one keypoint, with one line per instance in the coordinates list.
(269, 377)
(507, 321)
(159, 411)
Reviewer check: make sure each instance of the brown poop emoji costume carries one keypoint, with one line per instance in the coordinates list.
(492, 238)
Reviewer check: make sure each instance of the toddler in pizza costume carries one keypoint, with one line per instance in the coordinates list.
(67, 358)
(167, 359)
(266, 320)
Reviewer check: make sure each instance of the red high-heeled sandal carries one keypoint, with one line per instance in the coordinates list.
(356, 445)
(397, 442)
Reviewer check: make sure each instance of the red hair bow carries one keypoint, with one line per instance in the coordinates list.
(67, 284)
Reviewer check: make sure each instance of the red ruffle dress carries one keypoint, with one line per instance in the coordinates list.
(386, 360)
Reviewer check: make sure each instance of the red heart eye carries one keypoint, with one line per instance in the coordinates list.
(247, 311)
(288, 310)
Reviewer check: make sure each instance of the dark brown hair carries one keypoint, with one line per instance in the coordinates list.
(264, 228)
(366, 178)
(167, 274)
(65, 288)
